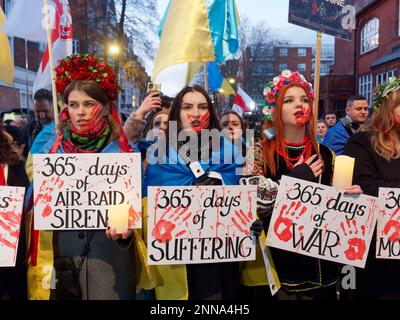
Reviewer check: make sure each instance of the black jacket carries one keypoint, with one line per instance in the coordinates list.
(380, 277)
(13, 279)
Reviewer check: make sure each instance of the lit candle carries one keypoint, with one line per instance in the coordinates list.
(343, 172)
(118, 217)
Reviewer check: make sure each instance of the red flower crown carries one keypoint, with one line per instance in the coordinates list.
(87, 67)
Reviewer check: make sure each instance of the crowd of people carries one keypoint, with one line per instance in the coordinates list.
(109, 265)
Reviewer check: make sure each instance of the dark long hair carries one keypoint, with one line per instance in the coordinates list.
(174, 113)
(8, 150)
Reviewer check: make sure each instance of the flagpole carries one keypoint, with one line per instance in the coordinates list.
(317, 76)
(205, 76)
(50, 46)
(26, 75)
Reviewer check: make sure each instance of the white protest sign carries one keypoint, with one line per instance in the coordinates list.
(11, 204)
(75, 191)
(388, 226)
(200, 224)
(322, 222)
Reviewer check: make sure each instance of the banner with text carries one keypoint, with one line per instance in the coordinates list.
(333, 17)
(388, 226)
(201, 224)
(75, 191)
(322, 222)
(11, 204)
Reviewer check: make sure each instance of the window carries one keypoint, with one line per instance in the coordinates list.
(8, 5)
(42, 46)
(75, 46)
(283, 52)
(283, 66)
(384, 77)
(324, 69)
(302, 52)
(91, 15)
(370, 35)
(11, 41)
(365, 87)
(301, 67)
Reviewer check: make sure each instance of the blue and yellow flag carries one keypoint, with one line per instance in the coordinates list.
(197, 30)
(6, 61)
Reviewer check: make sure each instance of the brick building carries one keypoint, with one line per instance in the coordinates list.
(370, 58)
(294, 58)
(94, 30)
(24, 77)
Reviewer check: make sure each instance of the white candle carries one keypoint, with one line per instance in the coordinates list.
(118, 217)
(343, 172)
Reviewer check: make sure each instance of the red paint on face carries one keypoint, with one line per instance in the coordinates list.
(356, 249)
(199, 124)
(303, 116)
(95, 117)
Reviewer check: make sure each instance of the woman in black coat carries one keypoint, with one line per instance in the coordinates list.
(12, 173)
(377, 165)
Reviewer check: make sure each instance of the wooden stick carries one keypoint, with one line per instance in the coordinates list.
(316, 76)
(50, 46)
(205, 76)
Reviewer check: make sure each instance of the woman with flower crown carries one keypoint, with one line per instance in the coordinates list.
(289, 147)
(89, 123)
(376, 150)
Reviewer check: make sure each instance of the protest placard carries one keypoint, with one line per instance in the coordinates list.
(333, 17)
(322, 222)
(11, 204)
(388, 226)
(74, 191)
(200, 224)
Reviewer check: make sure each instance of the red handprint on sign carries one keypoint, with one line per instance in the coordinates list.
(284, 219)
(44, 194)
(245, 221)
(357, 247)
(163, 230)
(134, 217)
(393, 223)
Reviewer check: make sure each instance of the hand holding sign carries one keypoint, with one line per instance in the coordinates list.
(75, 191)
(322, 222)
(199, 224)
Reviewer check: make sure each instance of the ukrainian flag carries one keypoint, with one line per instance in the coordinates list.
(6, 61)
(197, 30)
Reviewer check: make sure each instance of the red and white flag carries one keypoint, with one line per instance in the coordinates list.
(242, 102)
(61, 37)
(27, 21)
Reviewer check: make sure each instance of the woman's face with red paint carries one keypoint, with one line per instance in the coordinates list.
(194, 112)
(296, 110)
(85, 112)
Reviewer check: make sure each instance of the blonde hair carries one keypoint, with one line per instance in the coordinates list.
(385, 135)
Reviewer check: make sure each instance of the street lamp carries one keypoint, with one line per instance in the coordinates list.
(231, 80)
(114, 49)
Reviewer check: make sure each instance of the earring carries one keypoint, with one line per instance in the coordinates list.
(269, 133)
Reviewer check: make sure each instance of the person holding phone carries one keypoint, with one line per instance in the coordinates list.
(136, 123)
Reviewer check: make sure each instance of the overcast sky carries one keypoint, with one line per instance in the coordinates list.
(273, 12)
